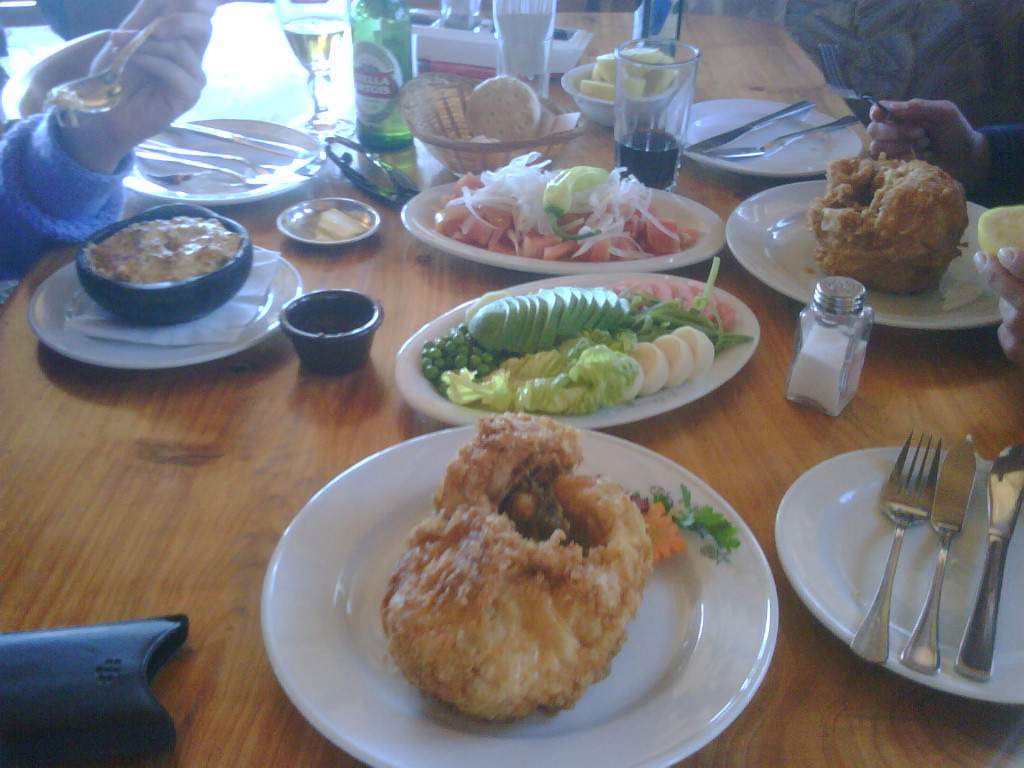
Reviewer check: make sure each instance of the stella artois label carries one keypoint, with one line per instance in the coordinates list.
(378, 76)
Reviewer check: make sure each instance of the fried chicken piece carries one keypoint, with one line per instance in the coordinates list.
(893, 225)
(506, 449)
(502, 614)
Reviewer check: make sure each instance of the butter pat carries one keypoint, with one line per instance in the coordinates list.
(333, 224)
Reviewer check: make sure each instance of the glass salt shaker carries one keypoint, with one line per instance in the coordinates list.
(831, 342)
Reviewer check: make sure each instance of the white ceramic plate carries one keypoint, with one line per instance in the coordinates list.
(769, 237)
(419, 393)
(809, 156)
(298, 222)
(833, 543)
(217, 188)
(694, 657)
(418, 217)
(50, 304)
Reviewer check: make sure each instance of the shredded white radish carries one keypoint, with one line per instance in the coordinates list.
(518, 188)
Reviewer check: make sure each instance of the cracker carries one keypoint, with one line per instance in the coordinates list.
(503, 108)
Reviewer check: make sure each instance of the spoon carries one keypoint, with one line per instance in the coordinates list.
(100, 92)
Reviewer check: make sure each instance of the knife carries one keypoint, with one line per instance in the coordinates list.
(1005, 485)
(952, 497)
(276, 147)
(793, 110)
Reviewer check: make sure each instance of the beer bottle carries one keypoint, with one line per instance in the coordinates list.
(382, 63)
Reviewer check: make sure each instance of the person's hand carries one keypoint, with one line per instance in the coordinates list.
(935, 131)
(1005, 273)
(162, 80)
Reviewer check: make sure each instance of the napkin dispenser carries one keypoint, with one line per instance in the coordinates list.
(82, 693)
(474, 52)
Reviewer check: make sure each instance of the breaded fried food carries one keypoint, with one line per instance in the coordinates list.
(893, 225)
(515, 594)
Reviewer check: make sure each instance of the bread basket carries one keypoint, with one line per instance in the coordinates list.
(433, 105)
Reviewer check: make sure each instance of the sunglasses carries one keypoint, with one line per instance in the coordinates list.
(399, 188)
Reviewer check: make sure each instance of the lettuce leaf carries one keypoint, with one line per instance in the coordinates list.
(579, 378)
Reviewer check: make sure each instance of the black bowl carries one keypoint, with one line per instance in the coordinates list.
(332, 330)
(169, 302)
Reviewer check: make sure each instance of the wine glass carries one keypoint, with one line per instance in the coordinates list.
(314, 30)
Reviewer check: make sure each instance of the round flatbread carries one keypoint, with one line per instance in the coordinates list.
(503, 108)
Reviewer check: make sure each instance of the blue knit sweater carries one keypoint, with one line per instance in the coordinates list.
(1006, 172)
(46, 198)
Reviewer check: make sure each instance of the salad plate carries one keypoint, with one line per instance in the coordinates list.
(418, 218)
(808, 156)
(833, 543)
(422, 396)
(769, 236)
(53, 302)
(219, 188)
(694, 657)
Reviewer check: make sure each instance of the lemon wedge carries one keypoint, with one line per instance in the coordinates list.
(1001, 227)
(598, 89)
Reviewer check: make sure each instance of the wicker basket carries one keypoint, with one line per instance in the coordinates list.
(433, 105)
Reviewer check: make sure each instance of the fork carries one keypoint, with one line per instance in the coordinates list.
(829, 53)
(774, 145)
(906, 499)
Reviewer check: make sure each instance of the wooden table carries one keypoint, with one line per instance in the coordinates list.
(126, 494)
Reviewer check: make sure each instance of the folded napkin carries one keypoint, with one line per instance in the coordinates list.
(222, 326)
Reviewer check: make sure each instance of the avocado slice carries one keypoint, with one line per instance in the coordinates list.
(487, 326)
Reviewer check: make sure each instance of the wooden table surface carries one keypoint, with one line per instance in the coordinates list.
(126, 494)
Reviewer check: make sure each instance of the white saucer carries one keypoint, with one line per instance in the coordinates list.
(48, 312)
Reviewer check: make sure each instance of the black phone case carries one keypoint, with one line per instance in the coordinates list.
(82, 693)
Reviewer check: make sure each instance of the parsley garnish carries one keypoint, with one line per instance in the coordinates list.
(700, 519)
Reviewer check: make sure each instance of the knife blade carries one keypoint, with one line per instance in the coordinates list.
(268, 145)
(1005, 493)
(953, 493)
(949, 507)
(793, 110)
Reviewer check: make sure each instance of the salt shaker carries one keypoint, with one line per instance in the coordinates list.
(831, 342)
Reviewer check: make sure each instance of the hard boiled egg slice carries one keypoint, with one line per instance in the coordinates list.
(679, 356)
(655, 367)
(634, 389)
(701, 346)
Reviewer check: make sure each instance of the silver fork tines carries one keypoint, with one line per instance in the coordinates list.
(906, 499)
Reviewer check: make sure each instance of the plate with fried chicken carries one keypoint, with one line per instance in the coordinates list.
(501, 606)
(903, 228)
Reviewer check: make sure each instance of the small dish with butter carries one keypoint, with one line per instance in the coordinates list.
(329, 221)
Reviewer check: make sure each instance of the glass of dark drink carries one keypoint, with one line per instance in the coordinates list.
(655, 80)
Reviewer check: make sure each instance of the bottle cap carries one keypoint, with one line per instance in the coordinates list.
(839, 295)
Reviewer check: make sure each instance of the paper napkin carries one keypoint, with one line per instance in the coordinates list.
(222, 326)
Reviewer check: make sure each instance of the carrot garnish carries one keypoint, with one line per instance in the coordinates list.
(666, 537)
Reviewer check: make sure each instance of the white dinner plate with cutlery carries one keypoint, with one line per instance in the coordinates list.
(769, 236)
(422, 396)
(173, 164)
(60, 296)
(418, 218)
(833, 543)
(808, 156)
(694, 656)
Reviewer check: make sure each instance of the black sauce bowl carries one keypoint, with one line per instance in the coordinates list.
(169, 302)
(332, 330)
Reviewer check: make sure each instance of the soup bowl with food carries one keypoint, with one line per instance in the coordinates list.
(166, 265)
